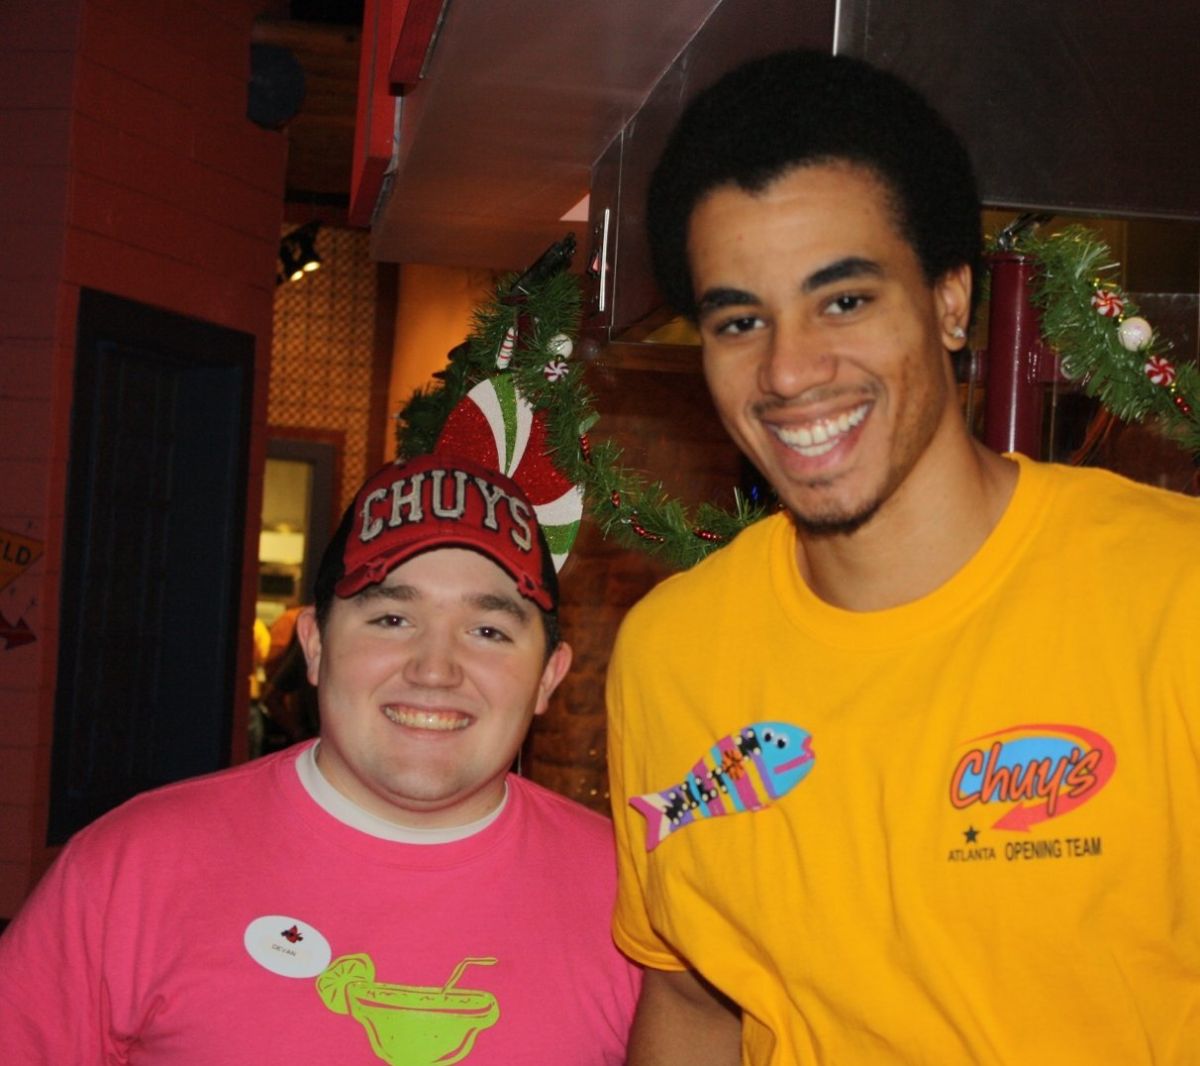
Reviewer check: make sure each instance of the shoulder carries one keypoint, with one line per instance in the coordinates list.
(1109, 503)
(562, 818)
(185, 811)
(1091, 481)
(1102, 531)
(567, 850)
(736, 569)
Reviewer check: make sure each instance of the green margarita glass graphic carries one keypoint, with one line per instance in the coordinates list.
(406, 1024)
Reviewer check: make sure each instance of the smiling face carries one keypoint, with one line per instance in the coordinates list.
(824, 345)
(427, 683)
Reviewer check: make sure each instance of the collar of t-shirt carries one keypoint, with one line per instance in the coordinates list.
(329, 799)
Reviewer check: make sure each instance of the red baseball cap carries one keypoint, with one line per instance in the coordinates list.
(444, 501)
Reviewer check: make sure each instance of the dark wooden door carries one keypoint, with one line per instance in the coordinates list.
(152, 556)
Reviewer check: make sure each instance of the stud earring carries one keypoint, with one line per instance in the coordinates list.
(958, 333)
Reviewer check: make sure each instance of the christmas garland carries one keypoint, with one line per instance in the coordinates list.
(1102, 341)
(526, 331)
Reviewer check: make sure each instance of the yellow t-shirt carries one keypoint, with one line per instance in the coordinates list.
(990, 853)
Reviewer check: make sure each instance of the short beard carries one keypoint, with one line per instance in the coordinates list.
(835, 525)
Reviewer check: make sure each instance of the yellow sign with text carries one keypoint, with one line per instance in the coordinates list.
(17, 554)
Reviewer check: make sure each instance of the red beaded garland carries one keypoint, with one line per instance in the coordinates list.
(1182, 404)
(644, 533)
(585, 447)
(615, 498)
(707, 535)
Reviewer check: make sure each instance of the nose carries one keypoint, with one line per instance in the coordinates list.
(433, 660)
(795, 358)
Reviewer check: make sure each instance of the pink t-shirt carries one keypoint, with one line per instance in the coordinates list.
(230, 919)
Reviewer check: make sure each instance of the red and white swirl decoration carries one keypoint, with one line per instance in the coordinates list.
(1159, 370)
(1108, 303)
(494, 425)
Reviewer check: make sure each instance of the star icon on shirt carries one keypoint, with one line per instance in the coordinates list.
(971, 833)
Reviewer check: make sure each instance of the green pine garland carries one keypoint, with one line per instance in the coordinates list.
(1071, 266)
(628, 508)
(640, 514)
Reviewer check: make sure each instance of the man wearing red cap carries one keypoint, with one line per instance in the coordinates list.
(390, 892)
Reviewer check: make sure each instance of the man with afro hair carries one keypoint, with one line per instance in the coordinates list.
(906, 773)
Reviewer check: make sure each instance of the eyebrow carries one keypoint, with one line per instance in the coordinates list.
(484, 601)
(853, 266)
(401, 593)
(504, 604)
(715, 299)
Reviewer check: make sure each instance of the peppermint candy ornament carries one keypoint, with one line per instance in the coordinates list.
(555, 370)
(1159, 370)
(1108, 303)
(495, 425)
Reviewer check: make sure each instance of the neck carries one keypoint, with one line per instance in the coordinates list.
(921, 536)
(345, 809)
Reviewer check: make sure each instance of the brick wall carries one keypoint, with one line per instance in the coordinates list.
(127, 165)
(665, 424)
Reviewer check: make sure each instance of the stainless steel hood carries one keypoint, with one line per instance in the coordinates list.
(1066, 105)
(518, 99)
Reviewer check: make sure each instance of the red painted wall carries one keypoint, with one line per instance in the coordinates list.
(127, 165)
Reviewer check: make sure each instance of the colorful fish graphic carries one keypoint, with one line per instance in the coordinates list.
(779, 755)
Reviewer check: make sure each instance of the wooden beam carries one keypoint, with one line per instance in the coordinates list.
(375, 112)
(415, 22)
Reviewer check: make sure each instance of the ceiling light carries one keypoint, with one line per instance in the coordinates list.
(298, 253)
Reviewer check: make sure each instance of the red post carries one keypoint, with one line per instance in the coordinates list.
(1018, 365)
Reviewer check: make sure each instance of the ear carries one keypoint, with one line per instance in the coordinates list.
(952, 303)
(552, 673)
(310, 640)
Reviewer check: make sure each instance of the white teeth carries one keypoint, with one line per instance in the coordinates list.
(821, 436)
(420, 719)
